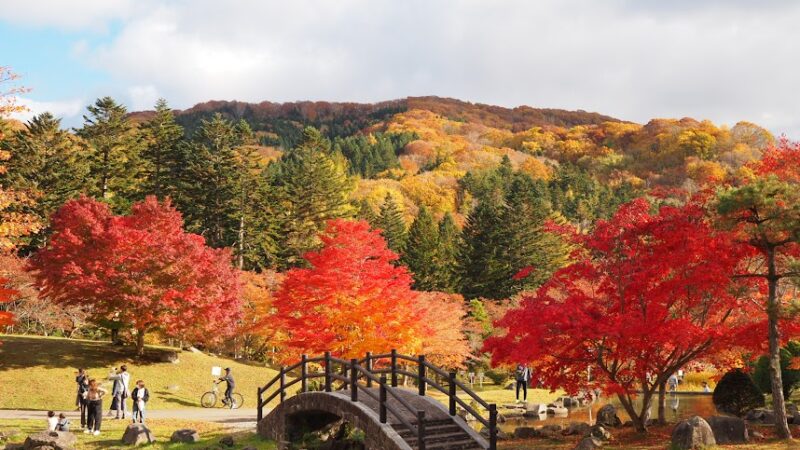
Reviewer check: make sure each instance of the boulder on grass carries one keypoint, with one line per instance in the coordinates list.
(694, 433)
(185, 435)
(57, 440)
(577, 429)
(227, 441)
(589, 443)
(536, 408)
(137, 434)
(607, 416)
(600, 432)
(525, 433)
(728, 430)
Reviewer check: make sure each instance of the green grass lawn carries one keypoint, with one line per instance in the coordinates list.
(111, 435)
(39, 373)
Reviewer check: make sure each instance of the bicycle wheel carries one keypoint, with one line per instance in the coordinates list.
(238, 400)
(208, 400)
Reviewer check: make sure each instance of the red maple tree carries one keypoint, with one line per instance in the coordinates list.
(6, 295)
(646, 295)
(352, 299)
(141, 270)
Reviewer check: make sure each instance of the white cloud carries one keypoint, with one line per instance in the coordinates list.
(66, 109)
(142, 97)
(65, 14)
(721, 60)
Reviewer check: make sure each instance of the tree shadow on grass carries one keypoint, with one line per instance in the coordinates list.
(59, 353)
(169, 397)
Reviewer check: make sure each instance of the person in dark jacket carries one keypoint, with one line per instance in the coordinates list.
(230, 384)
(82, 380)
(140, 396)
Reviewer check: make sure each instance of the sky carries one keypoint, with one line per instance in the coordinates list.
(723, 60)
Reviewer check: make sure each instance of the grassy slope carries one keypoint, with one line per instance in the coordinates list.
(210, 434)
(39, 373)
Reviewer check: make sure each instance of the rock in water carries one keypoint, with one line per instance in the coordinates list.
(137, 434)
(694, 433)
(185, 435)
(57, 440)
(607, 416)
(728, 430)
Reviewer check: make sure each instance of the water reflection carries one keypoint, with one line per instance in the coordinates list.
(678, 407)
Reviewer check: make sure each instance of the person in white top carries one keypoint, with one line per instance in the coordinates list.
(120, 390)
(52, 421)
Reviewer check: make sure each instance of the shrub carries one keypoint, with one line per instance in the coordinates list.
(736, 393)
(498, 376)
(791, 377)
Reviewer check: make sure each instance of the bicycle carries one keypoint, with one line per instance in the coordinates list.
(210, 398)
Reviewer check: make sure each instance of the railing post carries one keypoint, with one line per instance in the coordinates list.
(492, 427)
(394, 368)
(304, 373)
(421, 382)
(259, 413)
(382, 402)
(368, 366)
(327, 371)
(353, 380)
(421, 429)
(452, 393)
(283, 383)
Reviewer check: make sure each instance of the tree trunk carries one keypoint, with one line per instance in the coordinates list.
(776, 379)
(638, 424)
(662, 403)
(241, 242)
(140, 342)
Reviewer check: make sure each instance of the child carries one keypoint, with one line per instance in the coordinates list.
(63, 423)
(52, 421)
(140, 396)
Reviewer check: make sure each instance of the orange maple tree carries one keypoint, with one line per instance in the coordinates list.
(352, 299)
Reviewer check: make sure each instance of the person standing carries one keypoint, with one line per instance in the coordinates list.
(522, 376)
(139, 396)
(230, 384)
(82, 380)
(120, 390)
(94, 406)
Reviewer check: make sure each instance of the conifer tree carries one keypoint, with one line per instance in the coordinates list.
(49, 164)
(114, 158)
(421, 255)
(309, 186)
(209, 202)
(483, 265)
(393, 225)
(447, 255)
(163, 154)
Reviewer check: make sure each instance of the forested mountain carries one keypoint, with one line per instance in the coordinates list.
(461, 191)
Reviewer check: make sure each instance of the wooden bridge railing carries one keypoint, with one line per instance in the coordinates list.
(373, 370)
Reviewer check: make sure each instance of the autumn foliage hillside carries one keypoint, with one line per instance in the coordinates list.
(455, 137)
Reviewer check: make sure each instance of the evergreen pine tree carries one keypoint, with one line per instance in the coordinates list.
(309, 186)
(163, 155)
(392, 225)
(421, 252)
(114, 158)
(209, 201)
(447, 255)
(483, 265)
(47, 162)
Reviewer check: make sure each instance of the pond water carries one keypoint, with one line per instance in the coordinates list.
(679, 407)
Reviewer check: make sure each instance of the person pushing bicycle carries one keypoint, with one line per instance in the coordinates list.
(230, 384)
